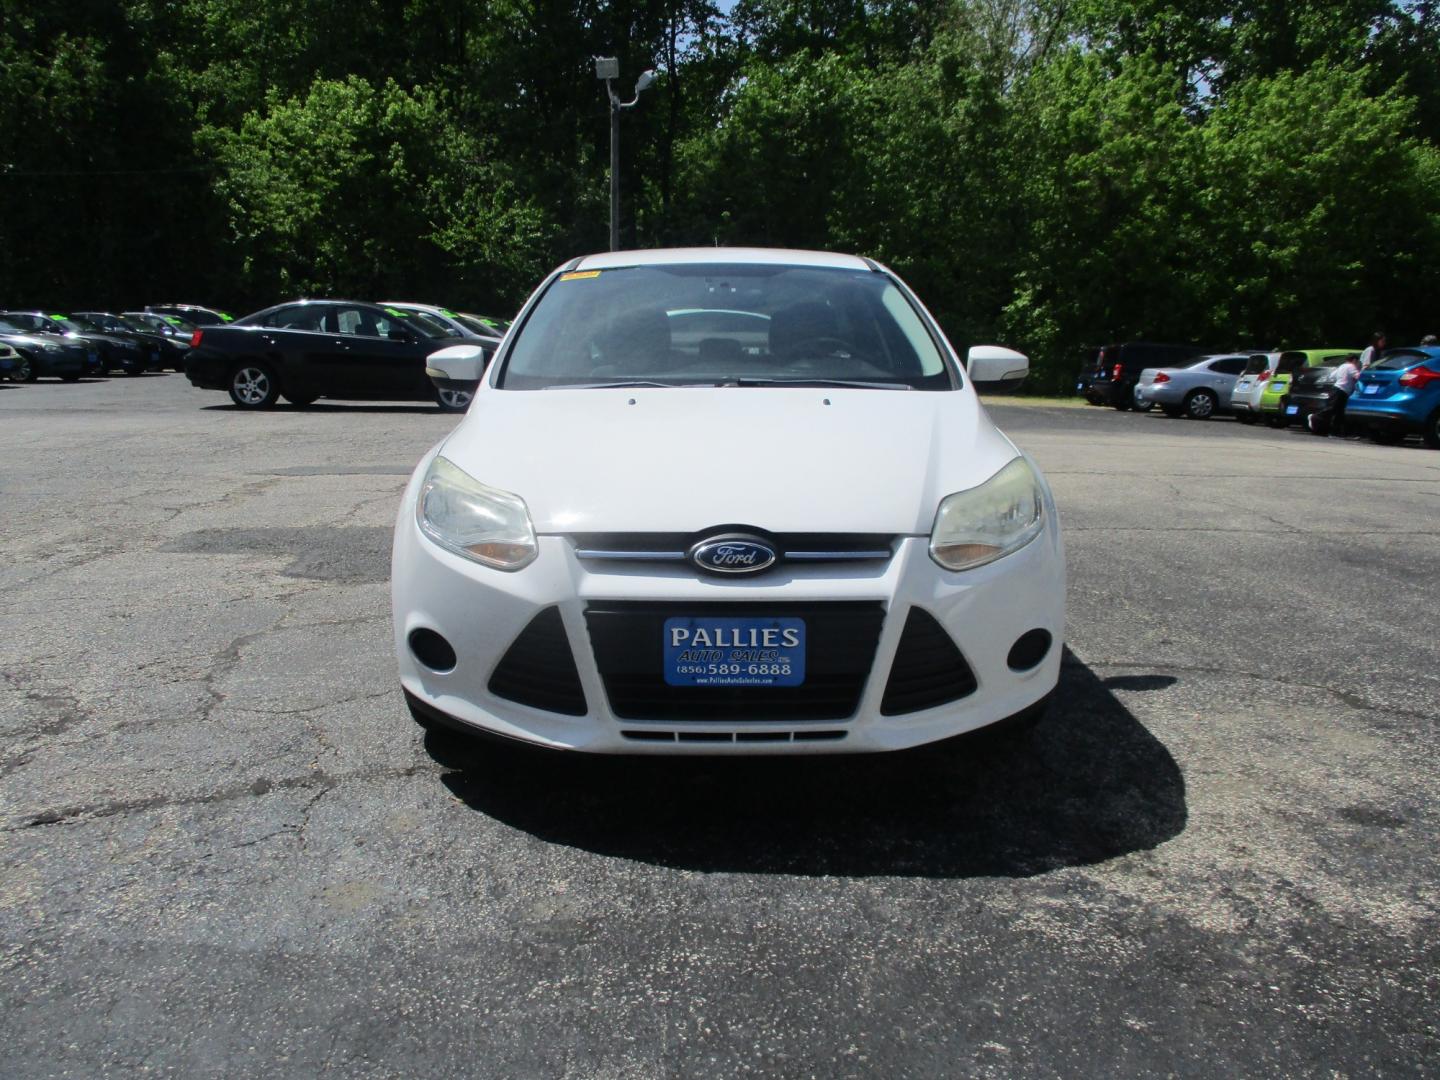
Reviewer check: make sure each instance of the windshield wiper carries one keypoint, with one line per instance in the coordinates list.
(619, 384)
(856, 384)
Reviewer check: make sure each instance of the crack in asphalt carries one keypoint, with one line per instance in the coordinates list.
(325, 782)
(1287, 529)
(1354, 701)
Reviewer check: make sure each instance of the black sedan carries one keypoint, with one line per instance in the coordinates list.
(321, 348)
(115, 352)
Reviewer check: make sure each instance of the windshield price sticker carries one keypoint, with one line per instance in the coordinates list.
(580, 275)
(734, 652)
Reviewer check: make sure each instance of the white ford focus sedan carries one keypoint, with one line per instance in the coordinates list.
(727, 501)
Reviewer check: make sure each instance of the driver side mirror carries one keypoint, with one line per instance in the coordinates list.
(989, 365)
(458, 363)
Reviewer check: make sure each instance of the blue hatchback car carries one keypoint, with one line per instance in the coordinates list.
(1399, 396)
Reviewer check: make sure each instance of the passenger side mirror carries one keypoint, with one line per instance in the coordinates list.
(458, 363)
(988, 365)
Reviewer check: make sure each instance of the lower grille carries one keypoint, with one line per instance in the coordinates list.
(928, 670)
(539, 669)
(733, 737)
(628, 639)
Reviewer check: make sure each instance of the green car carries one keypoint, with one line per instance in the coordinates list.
(1272, 398)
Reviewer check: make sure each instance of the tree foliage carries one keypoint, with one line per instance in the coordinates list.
(1050, 174)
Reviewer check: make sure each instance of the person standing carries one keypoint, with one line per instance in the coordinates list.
(1373, 350)
(1343, 386)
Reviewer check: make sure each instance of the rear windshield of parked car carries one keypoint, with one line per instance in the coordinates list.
(1397, 361)
(714, 324)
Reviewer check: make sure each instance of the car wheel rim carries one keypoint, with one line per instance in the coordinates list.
(251, 385)
(1200, 406)
(455, 399)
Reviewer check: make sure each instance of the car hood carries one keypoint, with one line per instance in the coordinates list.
(96, 337)
(38, 340)
(687, 459)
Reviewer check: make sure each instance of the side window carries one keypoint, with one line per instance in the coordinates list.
(387, 327)
(294, 317)
(350, 320)
(1231, 365)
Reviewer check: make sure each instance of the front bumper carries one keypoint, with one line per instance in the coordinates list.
(59, 365)
(482, 612)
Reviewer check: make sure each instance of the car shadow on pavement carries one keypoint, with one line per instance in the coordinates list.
(330, 407)
(1088, 784)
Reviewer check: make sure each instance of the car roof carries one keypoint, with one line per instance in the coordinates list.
(436, 308)
(737, 255)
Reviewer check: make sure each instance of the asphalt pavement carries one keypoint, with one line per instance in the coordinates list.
(225, 850)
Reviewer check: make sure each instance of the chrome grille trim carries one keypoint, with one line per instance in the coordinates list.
(679, 556)
(641, 556)
(821, 556)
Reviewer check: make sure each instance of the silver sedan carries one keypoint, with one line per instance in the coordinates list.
(1194, 390)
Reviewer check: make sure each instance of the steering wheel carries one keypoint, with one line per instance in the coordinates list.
(814, 348)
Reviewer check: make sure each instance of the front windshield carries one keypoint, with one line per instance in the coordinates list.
(422, 322)
(77, 326)
(482, 324)
(136, 325)
(731, 324)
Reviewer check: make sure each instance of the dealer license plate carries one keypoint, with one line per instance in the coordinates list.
(706, 651)
(1372, 388)
(1291, 410)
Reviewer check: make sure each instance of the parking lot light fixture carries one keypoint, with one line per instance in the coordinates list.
(607, 69)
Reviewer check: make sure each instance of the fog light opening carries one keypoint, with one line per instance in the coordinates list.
(1029, 649)
(432, 650)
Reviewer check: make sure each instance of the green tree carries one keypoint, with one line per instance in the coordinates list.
(364, 191)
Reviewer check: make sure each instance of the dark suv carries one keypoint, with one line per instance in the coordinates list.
(1110, 376)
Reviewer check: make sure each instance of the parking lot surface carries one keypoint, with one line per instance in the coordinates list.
(226, 850)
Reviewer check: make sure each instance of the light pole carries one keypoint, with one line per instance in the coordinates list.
(607, 69)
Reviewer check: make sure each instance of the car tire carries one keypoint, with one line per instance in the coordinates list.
(1140, 404)
(26, 371)
(253, 385)
(453, 400)
(1172, 411)
(1200, 405)
(1275, 420)
(1431, 432)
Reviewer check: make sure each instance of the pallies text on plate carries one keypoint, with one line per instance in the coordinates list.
(735, 637)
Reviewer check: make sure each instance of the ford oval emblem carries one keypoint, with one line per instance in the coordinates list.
(732, 554)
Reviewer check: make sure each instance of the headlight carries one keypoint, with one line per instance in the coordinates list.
(1002, 515)
(481, 523)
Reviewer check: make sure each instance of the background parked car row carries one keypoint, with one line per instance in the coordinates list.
(1398, 395)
